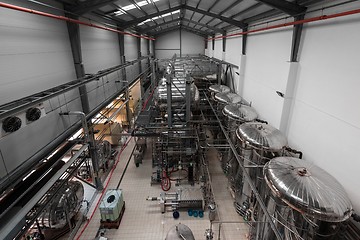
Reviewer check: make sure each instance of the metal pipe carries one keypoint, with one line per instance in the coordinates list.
(62, 18)
(21, 188)
(42, 153)
(246, 175)
(92, 146)
(308, 20)
(116, 112)
(83, 122)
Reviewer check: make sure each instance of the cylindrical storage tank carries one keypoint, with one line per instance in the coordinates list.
(216, 88)
(202, 81)
(319, 205)
(178, 93)
(257, 144)
(180, 232)
(223, 99)
(63, 207)
(234, 115)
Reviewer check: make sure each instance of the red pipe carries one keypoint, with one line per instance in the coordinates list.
(313, 19)
(62, 18)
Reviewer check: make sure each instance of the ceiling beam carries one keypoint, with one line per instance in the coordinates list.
(217, 30)
(214, 15)
(89, 6)
(185, 28)
(256, 5)
(192, 15)
(148, 29)
(267, 14)
(141, 19)
(226, 9)
(285, 6)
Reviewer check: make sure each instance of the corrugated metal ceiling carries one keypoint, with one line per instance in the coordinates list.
(207, 16)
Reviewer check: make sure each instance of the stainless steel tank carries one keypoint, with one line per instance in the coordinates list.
(257, 144)
(216, 88)
(234, 116)
(63, 207)
(223, 99)
(178, 93)
(318, 204)
(180, 232)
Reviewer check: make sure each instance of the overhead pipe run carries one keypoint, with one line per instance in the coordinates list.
(313, 19)
(62, 18)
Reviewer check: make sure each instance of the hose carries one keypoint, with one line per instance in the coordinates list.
(165, 182)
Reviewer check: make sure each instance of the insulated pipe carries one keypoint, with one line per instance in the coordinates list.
(313, 19)
(116, 112)
(28, 183)
(62, 18)
(89, 138)
(83, 122)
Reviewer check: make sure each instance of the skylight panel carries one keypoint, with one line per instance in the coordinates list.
(124, 9)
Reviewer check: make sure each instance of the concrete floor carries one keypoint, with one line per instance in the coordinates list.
(143, 220)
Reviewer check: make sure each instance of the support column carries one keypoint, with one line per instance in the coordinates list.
(123, 73)
(219, 72)
(74, 36)
(169, 96)
(148, 50)
(289, 97)
(296, 39)
(213, 46)
(153, 74)
(188, 99)
(75, 43)
(180, 41)
(223, 47)
(139, 53)
(244, 41)
(242, 65)
(153, 48)
(292, 77)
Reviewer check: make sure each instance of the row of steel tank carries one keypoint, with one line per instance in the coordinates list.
(303, 200)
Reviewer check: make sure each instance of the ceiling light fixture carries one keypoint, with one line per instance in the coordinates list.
(122, 10)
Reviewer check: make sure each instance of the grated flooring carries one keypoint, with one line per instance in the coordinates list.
(143, 220)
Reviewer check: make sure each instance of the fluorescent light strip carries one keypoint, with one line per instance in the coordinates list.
(122, 10)
(161, 16)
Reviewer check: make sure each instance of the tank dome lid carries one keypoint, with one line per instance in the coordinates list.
(261, 135)
(308, 189)
(219, 88)
(240, 112)
(228, 98)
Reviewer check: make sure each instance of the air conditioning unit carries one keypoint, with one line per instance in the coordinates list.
(22, 119)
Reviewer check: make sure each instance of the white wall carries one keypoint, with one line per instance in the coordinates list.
(131, 51)
(218, 52)
(35, 55)
(322, 90)
(100, 50)
(210, 51)
(169, 44)
(235, 45)
(325, 119)
(191, 44)
(35, 52)
(266, 71)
